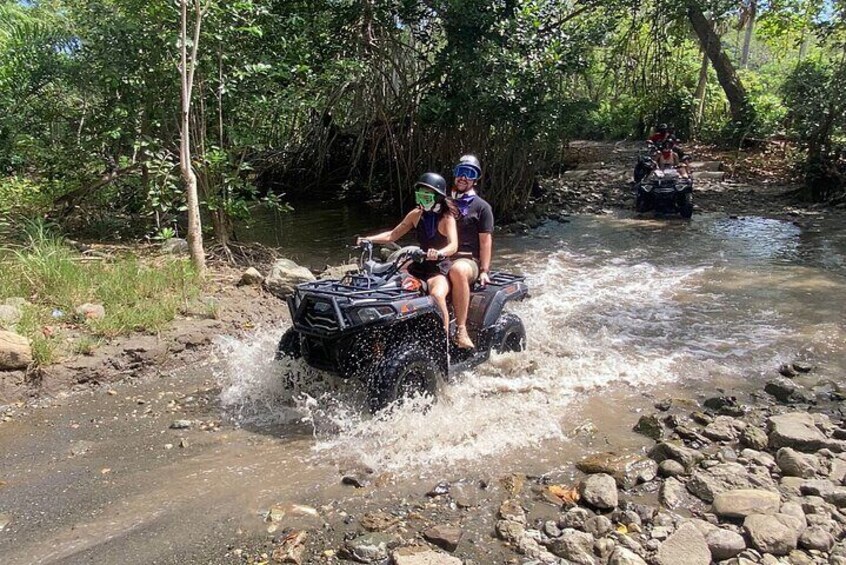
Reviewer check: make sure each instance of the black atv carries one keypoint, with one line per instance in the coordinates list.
(665, 192)
(378, 325)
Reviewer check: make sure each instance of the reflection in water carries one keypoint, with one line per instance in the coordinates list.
(613, 300)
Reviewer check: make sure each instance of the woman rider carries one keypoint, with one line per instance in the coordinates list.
(436, 234)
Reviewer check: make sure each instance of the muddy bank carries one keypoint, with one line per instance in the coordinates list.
(224, 308)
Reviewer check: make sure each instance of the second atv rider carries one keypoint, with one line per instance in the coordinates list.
(475, 243)
(437, 235)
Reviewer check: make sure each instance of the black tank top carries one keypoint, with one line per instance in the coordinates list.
(437, 241)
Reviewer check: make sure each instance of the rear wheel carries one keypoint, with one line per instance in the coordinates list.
(289, 345)
(510, 334)
(404, 372)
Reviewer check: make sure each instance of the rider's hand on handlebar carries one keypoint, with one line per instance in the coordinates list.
(484, 278)
(433, 255)
(359, 241)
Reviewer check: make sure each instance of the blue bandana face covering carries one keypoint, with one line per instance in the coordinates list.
(430, 223)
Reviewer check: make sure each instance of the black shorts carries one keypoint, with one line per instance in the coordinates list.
(428, 269)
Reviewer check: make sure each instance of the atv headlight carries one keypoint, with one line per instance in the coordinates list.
(372, 313)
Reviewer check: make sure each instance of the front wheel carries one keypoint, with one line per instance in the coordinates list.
(404, 372)
(686, 207)
(289, 345)
(641, 203)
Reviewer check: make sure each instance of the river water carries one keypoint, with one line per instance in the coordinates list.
(622, 311)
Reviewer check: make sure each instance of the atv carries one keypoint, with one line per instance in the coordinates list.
(378, 325)
(666, 192)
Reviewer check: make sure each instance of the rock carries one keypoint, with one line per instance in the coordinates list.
(817, 487)
(509, 530)
(378, 521)
(707, 483)
(175, 246)
(15, 351)
(337, 272)
(439, 489)
(673, 494)
(284, 276)
(371, 548)
(684, 455)
(599, 491)
(16, 302)
(649, 426)
(788, 392)
(753, 438)
(628, 470)
(796, 430)
(723, 428)
(670, 468)
(816, 538)
(551, 529)
(291, 548)
(418, 555)
(837, 474)
(5, 520)
(744, 502)
(9, 316)
(445, 537)
(604, 547)
(623, 556)
(181, 424)
(90, 311)
(724, 544)
(771, 533)
(686, 545)
(511, 510)
(575, 546)
(795, 464)
(598, 526)
(575, 518)
(251, 277)
(464, 495)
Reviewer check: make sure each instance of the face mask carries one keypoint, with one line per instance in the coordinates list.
(463, 203)
(426, 199)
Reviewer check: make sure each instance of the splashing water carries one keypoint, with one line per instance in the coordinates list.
(590, 321)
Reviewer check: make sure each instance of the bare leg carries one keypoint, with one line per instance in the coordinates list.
(439, 289)
(460, 275)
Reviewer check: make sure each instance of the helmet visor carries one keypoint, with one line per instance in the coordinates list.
(425, 198)
(466, 171)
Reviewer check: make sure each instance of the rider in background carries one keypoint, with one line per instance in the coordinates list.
(475, 242)
(437, 235)
(669, 158)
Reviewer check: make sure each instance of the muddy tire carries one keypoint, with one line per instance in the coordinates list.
(641, 204)
(686, 207)
(289, 345)
(404, 372)
(510, 334)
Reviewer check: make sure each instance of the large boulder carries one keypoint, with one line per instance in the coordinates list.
(686, 545)
(9, 316)
(775, 533)
(599, 491)
(625, 556)
(284, 276)
(418, 555)
(795, 464)
(708, 483)
(574, 546)
(684, 455)
(724, 544)
(628, 470)
(175, 246)
(796, 430)
(15, 351)
(745, 502)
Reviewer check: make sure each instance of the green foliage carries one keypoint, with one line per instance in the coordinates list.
(138, 295)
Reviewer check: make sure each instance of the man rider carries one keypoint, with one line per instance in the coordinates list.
(475, 241)
(662, 133)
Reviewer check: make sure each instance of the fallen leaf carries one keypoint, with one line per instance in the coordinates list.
(569, 495)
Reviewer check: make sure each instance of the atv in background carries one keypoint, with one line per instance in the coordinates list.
(378, 325)
(665, 191)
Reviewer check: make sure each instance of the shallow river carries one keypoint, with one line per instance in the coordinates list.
(614, 301)
(623, 312)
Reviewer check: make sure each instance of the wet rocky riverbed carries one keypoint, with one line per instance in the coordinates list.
(679, 328)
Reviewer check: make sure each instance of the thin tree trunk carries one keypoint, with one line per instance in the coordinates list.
(195, 232)
(747, 38)
(701, 89)
(741, 111)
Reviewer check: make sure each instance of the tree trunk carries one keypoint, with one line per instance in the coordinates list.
(701, 89)
(747, 38)
(741, 111)
(195, 230)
